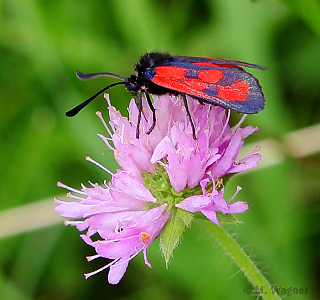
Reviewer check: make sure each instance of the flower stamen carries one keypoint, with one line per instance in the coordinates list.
(88, 158)
(144, 236)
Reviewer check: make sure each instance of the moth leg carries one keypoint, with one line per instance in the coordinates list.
(153, 112)
(189, 116)
(139, 105)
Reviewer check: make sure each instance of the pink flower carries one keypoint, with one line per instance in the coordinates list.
(119, 213)
(212, 202)
(162, 175)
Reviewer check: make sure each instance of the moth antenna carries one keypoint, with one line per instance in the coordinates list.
(75, 110)
(82, 76)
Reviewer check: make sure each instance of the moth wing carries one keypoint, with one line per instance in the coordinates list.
(229, 87)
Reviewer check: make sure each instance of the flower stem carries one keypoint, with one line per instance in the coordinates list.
(261, 286)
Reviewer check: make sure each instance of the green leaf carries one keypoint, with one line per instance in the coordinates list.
(186, 216)
(172, 232)
(227, 219)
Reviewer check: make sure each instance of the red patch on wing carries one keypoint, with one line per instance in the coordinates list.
(170, 72)
(238, 91)
(211, 64)
(180, 84)
(210, 76)
(180, 74)
(174, 78)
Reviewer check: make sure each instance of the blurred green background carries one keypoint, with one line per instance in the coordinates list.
(44, 42)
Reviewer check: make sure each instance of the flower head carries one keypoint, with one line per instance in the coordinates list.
(119, 214)
(171, 144)
(166, 176)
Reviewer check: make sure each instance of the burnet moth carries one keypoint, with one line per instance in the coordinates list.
(219, 82)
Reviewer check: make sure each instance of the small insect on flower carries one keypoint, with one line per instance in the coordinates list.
(219, 82)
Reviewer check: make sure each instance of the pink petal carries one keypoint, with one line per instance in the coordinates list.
(117, 270)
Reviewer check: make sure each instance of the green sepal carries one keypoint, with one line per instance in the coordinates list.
(172, 232)
(227, 218)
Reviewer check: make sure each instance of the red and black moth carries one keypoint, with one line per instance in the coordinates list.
(219, 82)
